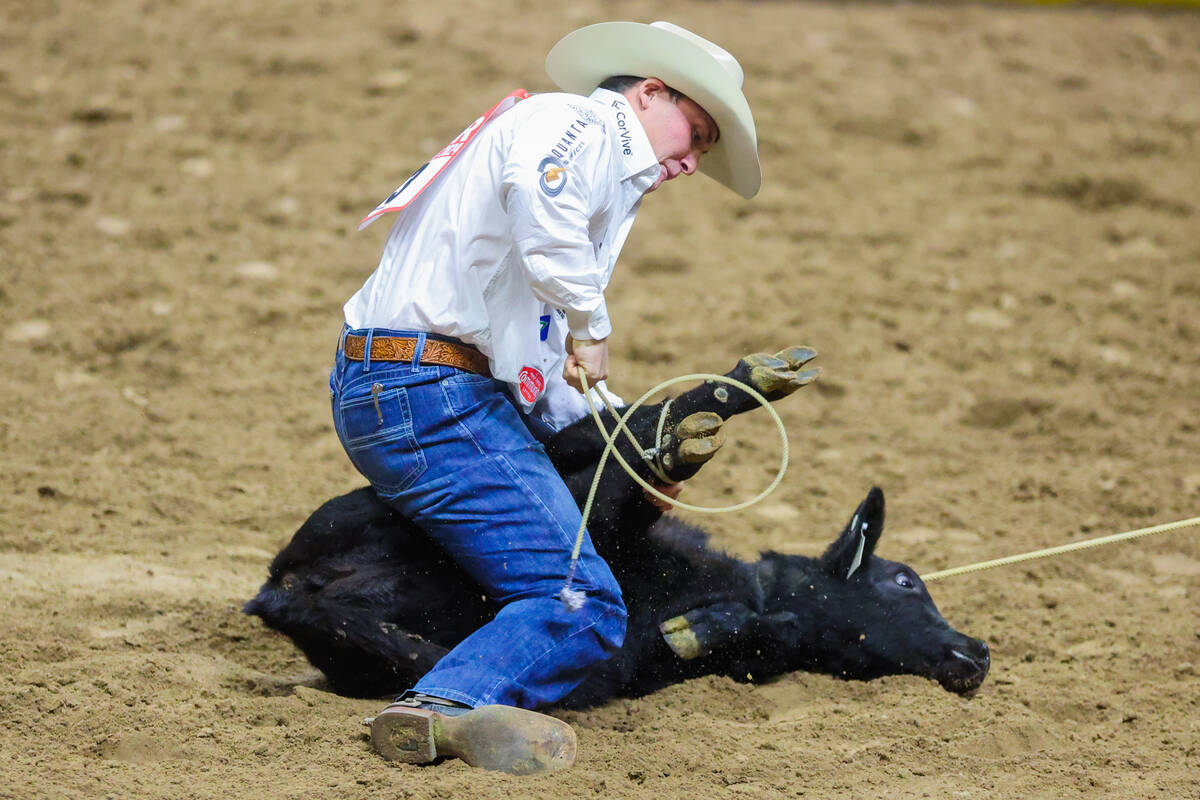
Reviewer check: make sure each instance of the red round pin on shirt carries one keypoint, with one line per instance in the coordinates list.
(532, 383)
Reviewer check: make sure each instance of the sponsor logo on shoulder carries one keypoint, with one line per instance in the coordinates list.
(553, 176)
(544, 327)
(569, 144)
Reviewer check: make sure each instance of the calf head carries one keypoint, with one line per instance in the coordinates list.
(855, 615)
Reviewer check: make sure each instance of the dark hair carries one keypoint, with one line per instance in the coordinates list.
(622, 83)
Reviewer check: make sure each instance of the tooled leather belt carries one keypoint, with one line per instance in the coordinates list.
(401, 348)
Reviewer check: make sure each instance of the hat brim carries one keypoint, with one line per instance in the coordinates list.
(584, 58)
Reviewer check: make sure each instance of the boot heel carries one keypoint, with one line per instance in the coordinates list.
(406, 737)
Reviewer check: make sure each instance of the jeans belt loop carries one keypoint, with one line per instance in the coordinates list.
(341, 345)
(418, 350)
(367, 350)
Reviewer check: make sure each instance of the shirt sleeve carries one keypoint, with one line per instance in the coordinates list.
(556, 179)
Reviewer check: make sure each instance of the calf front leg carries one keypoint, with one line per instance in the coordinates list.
(704, 630)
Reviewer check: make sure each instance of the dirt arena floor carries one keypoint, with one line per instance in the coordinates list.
(984, 218)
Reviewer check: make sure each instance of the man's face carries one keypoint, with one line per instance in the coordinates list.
(679, 130)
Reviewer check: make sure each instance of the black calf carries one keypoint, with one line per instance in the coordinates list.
(374, 605)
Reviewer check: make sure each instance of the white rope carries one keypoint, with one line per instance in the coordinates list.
(1062, 548)
(574, 598)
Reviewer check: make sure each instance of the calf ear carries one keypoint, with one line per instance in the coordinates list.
(857, 542)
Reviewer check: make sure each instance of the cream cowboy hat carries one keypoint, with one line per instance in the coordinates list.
(684, 61)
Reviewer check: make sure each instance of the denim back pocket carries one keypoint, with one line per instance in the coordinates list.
(377, 432)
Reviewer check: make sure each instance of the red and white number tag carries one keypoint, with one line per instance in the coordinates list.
(416, 183)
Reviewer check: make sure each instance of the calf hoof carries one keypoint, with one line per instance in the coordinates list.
(692, 442)
(678, 634)
(776, 376)
(700, 437)
(500, 738)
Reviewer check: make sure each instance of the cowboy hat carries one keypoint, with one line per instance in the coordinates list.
(684, 61)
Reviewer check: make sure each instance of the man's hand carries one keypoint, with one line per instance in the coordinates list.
(590, 355)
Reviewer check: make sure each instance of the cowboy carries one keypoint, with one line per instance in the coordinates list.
(464, 349)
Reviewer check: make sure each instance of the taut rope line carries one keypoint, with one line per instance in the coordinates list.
(1064, 548)
(574, 598)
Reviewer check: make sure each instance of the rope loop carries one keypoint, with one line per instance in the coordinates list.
(573, 598)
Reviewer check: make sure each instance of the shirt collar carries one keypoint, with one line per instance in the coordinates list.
(641, 168)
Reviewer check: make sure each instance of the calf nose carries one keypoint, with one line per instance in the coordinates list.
(966, 665)
(976, 652)
(981, 656)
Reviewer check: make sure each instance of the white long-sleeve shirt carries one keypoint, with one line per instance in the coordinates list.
(513, 244)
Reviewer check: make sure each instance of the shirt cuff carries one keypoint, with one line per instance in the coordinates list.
(592, 324)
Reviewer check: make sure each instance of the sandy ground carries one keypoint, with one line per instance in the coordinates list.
(985, 219)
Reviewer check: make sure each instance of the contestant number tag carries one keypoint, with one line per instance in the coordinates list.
(419, 180)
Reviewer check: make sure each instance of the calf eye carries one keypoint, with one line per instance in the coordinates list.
(903, 581)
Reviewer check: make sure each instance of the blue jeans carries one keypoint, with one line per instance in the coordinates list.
(449, 450)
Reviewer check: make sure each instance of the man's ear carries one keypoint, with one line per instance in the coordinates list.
(644, 92)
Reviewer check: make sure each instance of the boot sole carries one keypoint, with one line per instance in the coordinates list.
(500, 738)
